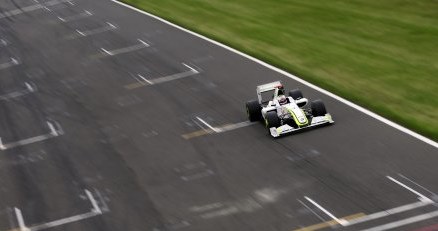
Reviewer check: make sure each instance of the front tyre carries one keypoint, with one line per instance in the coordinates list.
(272, 119)
(318, 108)
(253, 110)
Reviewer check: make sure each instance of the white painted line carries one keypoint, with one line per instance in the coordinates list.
(340, 221)
(207, 131)
(104, 207)
(29, 89)
(63, 221)
(221, 212)
(94, 212)
(191, 68)
(9, 64)
(388, 212)
(46, 8)
(421, 196)
(289, 75)
(27, 141)
(20, 220)
(20, 11)
(205, 208)
(107, 52)
(14, 61)
(96, 208)
(174, 77)
(2, 147)
(52, 129)
(31, 8)
(80, 32)
(60, 131)
(144, 79)
(220, 129)
(3, 42)
(415, 183)
(208, 125)
(55, 2)
(82, 15)
(109, 27)
(127, 49)
(53, 133)
(196, 176)
(403, 222)
(230, 127)
(311, 210)
(143, 42)
(163, 79)
(71, 3)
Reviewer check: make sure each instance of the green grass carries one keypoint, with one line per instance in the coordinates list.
(382, 55)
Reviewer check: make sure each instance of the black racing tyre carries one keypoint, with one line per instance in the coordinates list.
(296, 94)
(253, 110)
(318, 108)
(272, 119)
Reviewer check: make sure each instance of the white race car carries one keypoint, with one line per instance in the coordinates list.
(283, 114)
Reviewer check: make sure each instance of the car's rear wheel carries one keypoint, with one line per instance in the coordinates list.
(318, 108)
(272, 119)
(296, 94)
(253, 110)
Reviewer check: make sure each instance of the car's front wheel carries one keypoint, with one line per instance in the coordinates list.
(272, 120)
(318, 108)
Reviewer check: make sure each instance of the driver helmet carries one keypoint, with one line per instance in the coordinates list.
(282, 99)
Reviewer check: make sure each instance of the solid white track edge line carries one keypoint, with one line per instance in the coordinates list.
(287, 74)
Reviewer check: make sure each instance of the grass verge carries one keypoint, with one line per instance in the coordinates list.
(382, 55)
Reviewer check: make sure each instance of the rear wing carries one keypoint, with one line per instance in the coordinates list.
(268, 86)
(270, 90)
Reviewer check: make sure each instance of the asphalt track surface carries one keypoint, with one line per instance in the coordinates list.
(113, 120)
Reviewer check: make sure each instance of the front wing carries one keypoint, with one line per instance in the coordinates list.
(316, 121)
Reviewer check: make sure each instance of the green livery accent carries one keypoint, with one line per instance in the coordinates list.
(296, 119)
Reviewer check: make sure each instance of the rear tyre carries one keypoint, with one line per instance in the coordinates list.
(272, 119)
(253, 110)
(318, 108)
(296, 94)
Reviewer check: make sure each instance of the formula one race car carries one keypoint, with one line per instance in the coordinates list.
(283, 114)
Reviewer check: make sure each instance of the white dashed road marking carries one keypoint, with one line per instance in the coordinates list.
(85, 14)
(142, 44)
(108, 27)
(3, 43)
(30, 8)
(95, 211)
(144, 81)
(20, 220)
(9, 64)
(421, 197)
(29, 89)
(340, 221)
(53, 133)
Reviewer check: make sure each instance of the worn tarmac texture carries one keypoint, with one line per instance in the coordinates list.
(108, 109)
